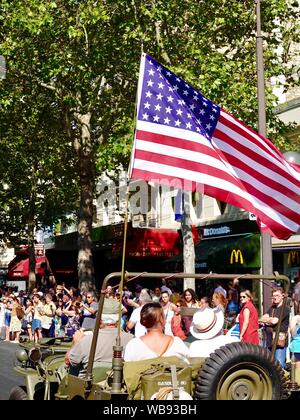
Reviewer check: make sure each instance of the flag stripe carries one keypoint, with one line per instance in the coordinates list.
(171, 157)
(206, 179)
(249, 151)
(207, 152)
(212, 190)
(263, 173)
(240, 128)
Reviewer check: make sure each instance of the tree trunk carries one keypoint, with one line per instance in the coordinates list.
(31, 252)
(83, 147)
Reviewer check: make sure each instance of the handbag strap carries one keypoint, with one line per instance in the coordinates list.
(166, 347)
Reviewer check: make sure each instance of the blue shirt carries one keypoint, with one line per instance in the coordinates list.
(295, 341)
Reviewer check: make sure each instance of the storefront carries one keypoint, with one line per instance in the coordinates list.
(234, 253)
(231, 248)
(146, 250)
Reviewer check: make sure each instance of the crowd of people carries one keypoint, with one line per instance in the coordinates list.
(56, 312)
(153, 323)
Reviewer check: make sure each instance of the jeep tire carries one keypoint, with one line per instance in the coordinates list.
(17, 393)
(240, 371)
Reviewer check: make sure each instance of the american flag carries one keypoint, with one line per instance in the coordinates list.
(181, 135)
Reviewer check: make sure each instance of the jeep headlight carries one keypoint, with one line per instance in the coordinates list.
(35, 354)
(22, 355)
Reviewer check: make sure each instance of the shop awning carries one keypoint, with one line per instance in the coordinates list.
(242, 251)
(151, 243)
(20, 268)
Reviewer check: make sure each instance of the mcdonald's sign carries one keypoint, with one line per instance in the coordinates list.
(237, 256)
(293, 257)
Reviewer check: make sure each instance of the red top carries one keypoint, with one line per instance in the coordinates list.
(251, 333)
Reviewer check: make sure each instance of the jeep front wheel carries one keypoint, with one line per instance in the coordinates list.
(240, 371)
(17, 393)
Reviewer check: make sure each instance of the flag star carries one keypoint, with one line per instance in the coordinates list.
(161, 76)
(166, 120)
(189, 116)
(198, 129)
(156, 118)
(212, 117)
(147, 105)
(157, 107)
(186, 85)
(188, 125)
(145, 116)
(214, 110)
(150, 62)
(192, 107)
(151, 72)
(180, 102)
(177, 79)
(159, 97)
(185, 92)
(195, 97)
(170, 99)
(150, 83)
(168, 110)
(201, 111)
(177, 123)
(208, 126)
(169, 73)
(148, 94)
(179, 112)
(205, 104)
(159, 69)
(160, 85)
(170, 89)
(175, 88)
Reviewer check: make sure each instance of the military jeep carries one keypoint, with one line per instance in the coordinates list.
(233, 372)
(42, 366)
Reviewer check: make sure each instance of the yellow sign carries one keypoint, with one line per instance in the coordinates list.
(293, 257)
(237, 255)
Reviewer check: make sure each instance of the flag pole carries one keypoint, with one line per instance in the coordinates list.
(126, 216)
(266, 243)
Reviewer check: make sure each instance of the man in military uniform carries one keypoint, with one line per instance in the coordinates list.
(77, 357)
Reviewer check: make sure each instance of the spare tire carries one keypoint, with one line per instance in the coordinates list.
(240, 371)
(17, 393)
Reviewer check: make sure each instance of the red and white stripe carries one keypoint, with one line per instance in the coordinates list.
(238, 167)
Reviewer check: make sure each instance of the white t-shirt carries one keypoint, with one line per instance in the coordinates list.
(137, 350)
(2, 314)
(139, 329)
(168, 318)
(203, 348)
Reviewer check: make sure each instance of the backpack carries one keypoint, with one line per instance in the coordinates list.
(20, 312)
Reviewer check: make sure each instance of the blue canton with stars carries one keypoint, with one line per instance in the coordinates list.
(168, 100)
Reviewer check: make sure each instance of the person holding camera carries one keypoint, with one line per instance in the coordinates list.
(74, 314)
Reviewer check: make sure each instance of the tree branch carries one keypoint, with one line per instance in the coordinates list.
(159, 38)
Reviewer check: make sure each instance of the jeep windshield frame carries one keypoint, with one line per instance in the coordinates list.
(131, 275)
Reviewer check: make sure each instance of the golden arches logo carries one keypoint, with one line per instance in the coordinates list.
(293, 257)
(237, 256)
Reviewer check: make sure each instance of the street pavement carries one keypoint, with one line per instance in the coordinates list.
(8, 377)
